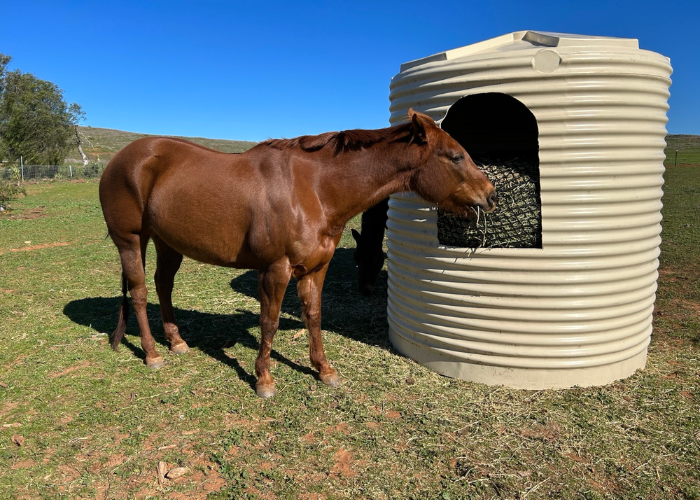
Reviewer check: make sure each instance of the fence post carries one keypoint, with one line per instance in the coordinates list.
(21, 163)
(70, 169)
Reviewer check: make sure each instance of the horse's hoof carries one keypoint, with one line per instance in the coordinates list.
(155, 363)
(265, 391)
(332, 379)
(180, 348)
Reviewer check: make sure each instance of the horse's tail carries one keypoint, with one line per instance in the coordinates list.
(118, 334)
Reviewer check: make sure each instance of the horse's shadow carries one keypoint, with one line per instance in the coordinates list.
(344, 311)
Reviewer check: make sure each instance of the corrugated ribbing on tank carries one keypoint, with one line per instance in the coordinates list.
(572, 306)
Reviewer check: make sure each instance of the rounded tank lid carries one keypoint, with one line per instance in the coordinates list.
(519, 40)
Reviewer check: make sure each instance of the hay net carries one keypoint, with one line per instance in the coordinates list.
(517, 220)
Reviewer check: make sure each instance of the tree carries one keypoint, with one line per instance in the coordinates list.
(79, 115)
(35, 121)
(4, 61)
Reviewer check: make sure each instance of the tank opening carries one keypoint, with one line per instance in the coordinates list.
(500, 134)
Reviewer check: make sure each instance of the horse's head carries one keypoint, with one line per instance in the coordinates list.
(447, 176)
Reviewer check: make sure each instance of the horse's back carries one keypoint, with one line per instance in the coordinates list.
(153, 156)
(134, 170)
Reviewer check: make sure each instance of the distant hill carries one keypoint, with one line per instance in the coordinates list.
(100, 144)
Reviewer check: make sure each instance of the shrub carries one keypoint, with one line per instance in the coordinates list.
(9, 190)
(93, 169)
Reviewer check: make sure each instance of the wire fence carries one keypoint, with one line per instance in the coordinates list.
(36, 173)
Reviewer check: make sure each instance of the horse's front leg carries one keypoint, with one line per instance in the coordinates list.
(309, 289)
(272, 283)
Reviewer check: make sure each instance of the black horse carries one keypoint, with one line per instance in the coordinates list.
(369, 254)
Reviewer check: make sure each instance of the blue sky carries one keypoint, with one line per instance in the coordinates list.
(255, 70)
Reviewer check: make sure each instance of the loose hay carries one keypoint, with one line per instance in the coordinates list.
(516, 222)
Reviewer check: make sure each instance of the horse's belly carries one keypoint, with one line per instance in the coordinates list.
(203, 234)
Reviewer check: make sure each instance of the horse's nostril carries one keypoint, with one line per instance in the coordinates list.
(493, 200)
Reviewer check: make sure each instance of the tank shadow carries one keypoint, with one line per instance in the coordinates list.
(345, 311)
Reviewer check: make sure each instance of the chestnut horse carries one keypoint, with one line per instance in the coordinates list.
(280, 208)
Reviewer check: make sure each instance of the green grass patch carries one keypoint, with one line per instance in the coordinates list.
(687, 148)
(78, 420)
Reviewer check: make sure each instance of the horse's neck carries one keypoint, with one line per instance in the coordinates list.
(366, 177)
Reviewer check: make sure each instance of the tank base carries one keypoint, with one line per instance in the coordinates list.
(518, 378)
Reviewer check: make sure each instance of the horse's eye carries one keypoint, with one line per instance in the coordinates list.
(457, 158)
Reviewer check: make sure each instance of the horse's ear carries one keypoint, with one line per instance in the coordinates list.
(355, 235)
(418, 126)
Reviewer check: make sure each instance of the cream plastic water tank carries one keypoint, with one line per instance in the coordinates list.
(576, 309)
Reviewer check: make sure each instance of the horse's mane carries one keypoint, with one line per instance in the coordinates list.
(346, 140)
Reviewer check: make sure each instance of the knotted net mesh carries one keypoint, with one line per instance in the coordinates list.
(517, 220)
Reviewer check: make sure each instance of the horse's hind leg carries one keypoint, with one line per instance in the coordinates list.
(167, 264)
(272, 283)
(132, 251)
(309, 290)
